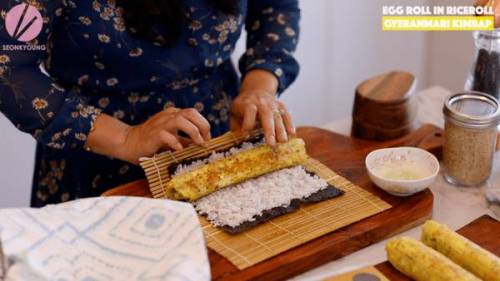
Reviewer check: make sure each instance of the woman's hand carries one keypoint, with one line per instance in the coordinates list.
(255, 104)
(161, 132)
(113, 138)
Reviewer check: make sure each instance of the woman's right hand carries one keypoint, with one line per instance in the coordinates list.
(160, 132)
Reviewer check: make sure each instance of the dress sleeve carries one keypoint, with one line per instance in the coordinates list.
(56, 117)
(273, 31)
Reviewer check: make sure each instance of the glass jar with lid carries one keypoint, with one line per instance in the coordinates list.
(485, 73)
(471, 120)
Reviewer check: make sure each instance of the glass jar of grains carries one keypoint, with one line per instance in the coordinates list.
(485, 73)
(471, 120)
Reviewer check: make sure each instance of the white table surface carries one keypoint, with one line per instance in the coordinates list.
(453, 206)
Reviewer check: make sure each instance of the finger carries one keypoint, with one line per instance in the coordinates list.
(170, 140)
(249, 118)
(281, 134)
(199, 121)
(287, 119)
(171, 110)
(267, 121)
(237, 114)
(164, 116)
(235, 123)
(183, 124)
(185, 141)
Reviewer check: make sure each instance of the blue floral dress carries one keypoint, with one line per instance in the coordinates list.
(96, 65)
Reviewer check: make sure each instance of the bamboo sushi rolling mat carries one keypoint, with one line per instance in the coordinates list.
(281, 233)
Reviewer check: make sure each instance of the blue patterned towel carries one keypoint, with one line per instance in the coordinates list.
(114, 238)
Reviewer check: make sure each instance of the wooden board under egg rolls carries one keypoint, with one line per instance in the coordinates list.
(482, 231)
(345, 156)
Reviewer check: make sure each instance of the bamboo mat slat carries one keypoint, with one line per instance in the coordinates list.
(279, 234)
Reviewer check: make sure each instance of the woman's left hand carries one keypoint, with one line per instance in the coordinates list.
(252, 106)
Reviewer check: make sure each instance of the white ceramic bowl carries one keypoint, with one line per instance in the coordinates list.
(402, 171)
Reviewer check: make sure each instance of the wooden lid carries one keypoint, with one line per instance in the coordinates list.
(391, 87)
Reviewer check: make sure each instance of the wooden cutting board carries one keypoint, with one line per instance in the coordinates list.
(484, 231)
(345, 156)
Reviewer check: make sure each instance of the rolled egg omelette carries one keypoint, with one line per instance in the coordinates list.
(236, 168)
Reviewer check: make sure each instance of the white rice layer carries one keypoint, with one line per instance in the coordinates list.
(236, 204)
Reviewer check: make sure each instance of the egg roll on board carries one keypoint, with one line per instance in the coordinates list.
(484, 231)
(345, 156)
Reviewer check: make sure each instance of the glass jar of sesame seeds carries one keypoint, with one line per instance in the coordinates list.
(471, 120)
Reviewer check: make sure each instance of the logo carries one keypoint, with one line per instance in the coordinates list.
(437, 18)
(23, 22)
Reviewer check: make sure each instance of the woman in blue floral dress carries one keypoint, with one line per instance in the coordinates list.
(126, 79)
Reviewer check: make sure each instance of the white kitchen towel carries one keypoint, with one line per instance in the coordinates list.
(113, 238)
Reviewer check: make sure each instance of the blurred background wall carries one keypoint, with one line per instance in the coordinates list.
(341, 45)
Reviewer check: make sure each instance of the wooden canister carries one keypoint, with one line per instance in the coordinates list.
(385, 107)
